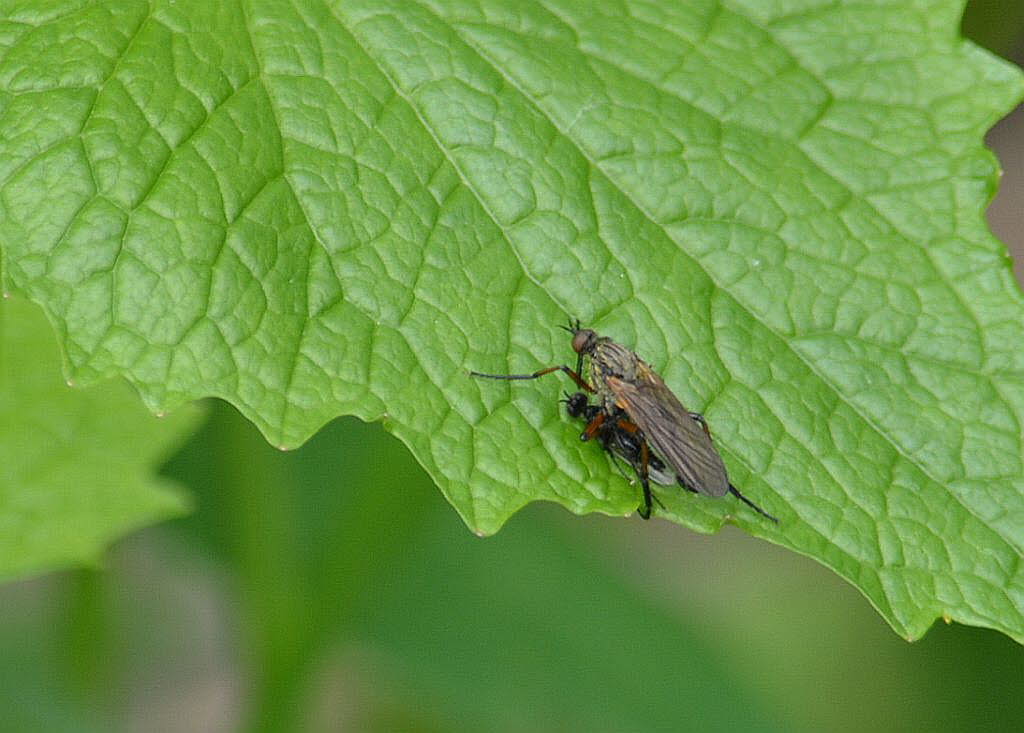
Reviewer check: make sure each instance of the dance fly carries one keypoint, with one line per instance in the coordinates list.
(637, 403)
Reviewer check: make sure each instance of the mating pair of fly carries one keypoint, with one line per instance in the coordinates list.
(637, 418)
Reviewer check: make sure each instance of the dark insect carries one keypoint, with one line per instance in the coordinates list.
(623, 440)
(646, 419)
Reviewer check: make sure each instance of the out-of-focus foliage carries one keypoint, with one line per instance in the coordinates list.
(332, 589)
(77, 466)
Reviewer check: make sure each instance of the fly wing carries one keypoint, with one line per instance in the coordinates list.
(627, 446)
(675, 436)
(659, 474)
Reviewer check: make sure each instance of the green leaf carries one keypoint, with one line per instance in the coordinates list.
(342, 207)
(76, 466)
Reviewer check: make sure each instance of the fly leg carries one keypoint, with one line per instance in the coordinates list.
(618, 467)
(732, 489)
(645, 510)
(574, 375)
(697, 417)
(642, 471)
(593, 426)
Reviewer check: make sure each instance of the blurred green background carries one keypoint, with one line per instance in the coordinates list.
(332, 588)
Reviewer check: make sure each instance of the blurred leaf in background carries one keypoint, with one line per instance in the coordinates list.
(77, 467)
(995, 25)
(297, 598)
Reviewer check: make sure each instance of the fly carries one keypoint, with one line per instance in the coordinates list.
(647, 421)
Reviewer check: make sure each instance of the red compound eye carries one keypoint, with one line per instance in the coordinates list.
(582, 340)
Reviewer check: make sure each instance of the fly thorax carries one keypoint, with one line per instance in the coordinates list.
(613, 360)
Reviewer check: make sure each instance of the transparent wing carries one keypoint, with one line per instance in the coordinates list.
(675, 436)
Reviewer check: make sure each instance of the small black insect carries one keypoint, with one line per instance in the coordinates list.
(622, 439)
(635, 401)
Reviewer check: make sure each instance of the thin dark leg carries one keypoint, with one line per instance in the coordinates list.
(645, 510)
(736, 492)
(561, 367)
(618, 466)
(642, 471)
(732, 489)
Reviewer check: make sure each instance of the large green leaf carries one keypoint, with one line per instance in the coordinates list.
(322, 208)
(76, 466)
